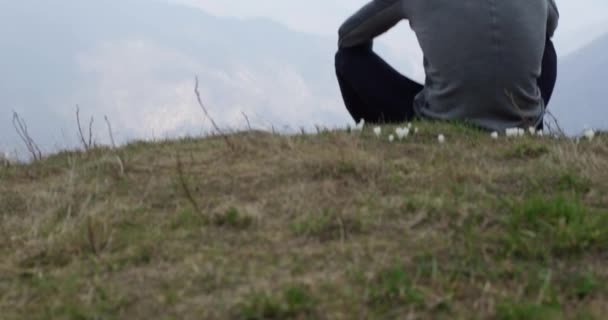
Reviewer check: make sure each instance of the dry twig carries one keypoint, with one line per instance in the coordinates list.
(30, 144)
(247, 119)
(185, 187)
(119, 158)
(110, 132)
(554, 121)
(215, 126)
(87, 144)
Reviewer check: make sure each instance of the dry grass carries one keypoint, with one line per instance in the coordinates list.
(331, 226)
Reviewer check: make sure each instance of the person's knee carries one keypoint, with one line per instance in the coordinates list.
(340, 60)
(351, 55)
(346, 57)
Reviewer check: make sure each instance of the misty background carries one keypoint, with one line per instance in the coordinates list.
(135, 61)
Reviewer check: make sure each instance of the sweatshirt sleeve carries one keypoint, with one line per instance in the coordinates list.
(372, 20)
(553, 19)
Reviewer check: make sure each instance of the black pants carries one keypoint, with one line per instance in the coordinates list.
(372, 90)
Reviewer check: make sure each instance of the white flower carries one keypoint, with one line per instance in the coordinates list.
(416, 130)
(402, 133)
(494, 135)
(360, 125)
(441, 138)
(540, 133)
(377, 131)
(409, 125)
(532, 131)
(589, 134)
(515, 132)
(391, 138)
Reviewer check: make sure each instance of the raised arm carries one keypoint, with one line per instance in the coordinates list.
(372, 20)
(553, 18)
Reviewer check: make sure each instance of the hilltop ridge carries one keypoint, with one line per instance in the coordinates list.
(336, 225)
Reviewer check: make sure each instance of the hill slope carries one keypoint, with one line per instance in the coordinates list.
(331, 226)
(579, 99)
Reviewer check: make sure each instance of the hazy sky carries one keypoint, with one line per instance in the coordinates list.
(145, 84)
(579, 18)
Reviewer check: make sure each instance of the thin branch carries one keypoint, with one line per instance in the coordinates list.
(110, 132)
(247, 119)
(91, 133)
(21, 128)
(121, 165)
(215, 126)
(560, 131)
(86, 144)
(185, 187)
(119, 159)
(80, 134)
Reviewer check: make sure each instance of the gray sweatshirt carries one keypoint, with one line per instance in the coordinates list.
(482, 58)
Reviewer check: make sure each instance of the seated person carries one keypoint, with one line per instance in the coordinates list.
(490, 63)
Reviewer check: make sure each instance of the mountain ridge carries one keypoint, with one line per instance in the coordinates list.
(120, 60)
(579, 96)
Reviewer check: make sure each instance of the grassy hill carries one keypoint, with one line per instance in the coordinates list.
(337, 225)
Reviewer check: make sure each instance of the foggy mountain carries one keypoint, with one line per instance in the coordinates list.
(570, 41)
(135, 61)
(579, 99)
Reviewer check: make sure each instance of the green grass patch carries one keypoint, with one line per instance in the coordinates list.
(293, 302)
(134, 244)
(187, 218)
(557, 226)
(539, 298)
(393, 287)
(586, 285)
(527, 311)
(72, 297)
(12, 203)
(340, 169)
(233, 218)
(572, 182)
(528, 150)
(583, 285)
(327, 225)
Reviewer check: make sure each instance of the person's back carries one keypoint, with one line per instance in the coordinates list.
(483, 58)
